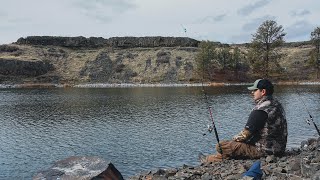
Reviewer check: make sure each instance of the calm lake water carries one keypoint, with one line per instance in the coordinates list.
(135, 128)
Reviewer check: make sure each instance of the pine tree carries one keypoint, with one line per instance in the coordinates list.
(315, 55)
(264, 52)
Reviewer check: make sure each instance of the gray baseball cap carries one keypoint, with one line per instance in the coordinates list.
(255, 85)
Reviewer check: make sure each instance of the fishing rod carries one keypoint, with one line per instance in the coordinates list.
(304, 104)
(213, 127)
(310, 116)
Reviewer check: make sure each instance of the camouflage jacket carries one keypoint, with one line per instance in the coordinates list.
(273, 136)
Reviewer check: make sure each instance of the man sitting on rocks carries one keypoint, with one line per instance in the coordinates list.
(265, 132)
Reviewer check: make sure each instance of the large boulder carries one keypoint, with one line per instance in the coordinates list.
(80, 167)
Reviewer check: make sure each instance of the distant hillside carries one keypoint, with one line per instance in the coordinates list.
(73, 60)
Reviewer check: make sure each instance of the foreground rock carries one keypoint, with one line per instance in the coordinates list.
(297, 164)
(80, 167)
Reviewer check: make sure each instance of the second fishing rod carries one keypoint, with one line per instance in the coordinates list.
(213, 127)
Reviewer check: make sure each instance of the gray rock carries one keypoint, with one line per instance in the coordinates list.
(159, 177)
(294, 165)
(316, 176)
(233, 177)
(316, 159)
(206, 176)
(160, 172)
(247, 178)
(242, 169)
(77, 167)
(283, 164)
(171, 172)
(271, 159)
(308, 170)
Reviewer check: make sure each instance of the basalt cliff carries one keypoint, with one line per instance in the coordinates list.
(139, 60)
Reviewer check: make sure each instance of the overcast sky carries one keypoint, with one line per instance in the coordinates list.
(227, 21)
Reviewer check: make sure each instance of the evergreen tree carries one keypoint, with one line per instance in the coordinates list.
(205, 59)
(264, 52)
(315, 54)
(236, 61)
(224, 58)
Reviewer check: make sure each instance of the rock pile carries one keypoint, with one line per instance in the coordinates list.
(303, 163)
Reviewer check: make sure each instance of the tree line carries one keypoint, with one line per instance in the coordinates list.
(261, 57)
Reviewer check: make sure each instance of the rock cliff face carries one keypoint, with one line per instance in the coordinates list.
(116, 42)
(14, 67)
(97, 60)
(131, 42)
(76, 60)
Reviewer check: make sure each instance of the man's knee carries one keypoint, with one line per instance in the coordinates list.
(224, 147)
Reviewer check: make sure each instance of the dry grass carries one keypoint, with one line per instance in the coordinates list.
(68, 63)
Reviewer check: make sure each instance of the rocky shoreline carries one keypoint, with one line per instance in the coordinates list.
(296, 164)
(299, 163)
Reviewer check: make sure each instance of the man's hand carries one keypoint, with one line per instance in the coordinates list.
(242, 136)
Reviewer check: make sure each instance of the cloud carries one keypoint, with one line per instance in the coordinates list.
(234, 22)
(255, 23)
(302, 12)
(220, 17)
(241, 38)
(248, 29)
(103, 10)
(246, 10)
(299, 30)
(211, 19)
(9, 19)
(2, 14)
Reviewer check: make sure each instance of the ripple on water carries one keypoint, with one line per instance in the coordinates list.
(135, 128)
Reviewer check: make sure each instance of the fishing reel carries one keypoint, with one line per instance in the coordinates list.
(308, 121)
(210, 128)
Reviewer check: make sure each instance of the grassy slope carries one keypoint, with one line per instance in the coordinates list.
(167, 64)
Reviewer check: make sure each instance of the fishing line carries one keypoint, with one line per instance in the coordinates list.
(213, 127)
(310, 119)
(310, 116)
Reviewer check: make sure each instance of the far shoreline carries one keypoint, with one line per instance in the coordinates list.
(133, 85)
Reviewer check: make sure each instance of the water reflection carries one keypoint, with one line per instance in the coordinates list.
(135, 128)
